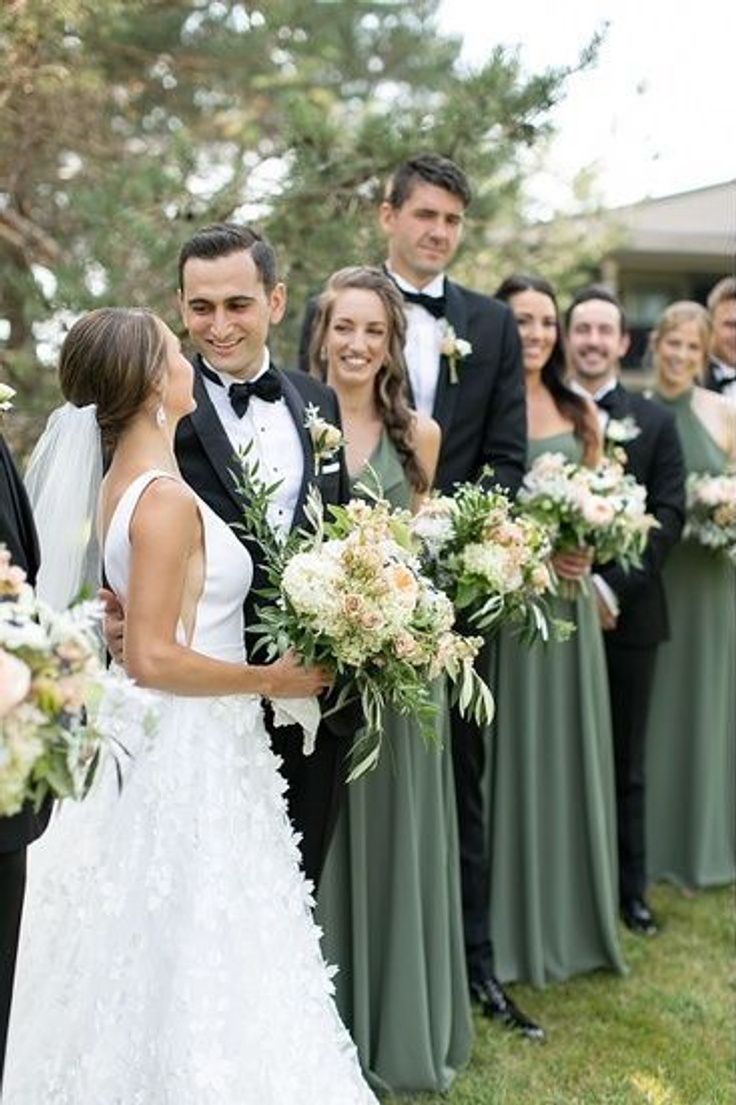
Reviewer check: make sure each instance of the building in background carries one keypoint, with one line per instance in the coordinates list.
(674, 247)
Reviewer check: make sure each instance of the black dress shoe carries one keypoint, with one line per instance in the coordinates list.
(495, 1003)
(638, 917)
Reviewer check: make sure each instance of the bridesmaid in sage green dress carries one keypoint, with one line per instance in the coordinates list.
(691, 738)
(551, 819)
(389, 899)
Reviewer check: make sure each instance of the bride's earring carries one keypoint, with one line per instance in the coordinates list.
(160, 415)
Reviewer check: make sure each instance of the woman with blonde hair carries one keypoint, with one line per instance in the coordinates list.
(389, 898)
(691, 741)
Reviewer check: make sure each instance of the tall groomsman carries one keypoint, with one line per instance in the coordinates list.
(18, 534)
(631, 604)
(475, 392)
(721, 371)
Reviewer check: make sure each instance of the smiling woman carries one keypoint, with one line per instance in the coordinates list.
(691, 738)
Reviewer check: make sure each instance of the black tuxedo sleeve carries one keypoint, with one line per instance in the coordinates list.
(666, 501)
(504, 438)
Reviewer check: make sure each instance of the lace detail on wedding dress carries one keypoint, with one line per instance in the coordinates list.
(168, 954)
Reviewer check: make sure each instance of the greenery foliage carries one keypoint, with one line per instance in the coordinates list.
(127, 124)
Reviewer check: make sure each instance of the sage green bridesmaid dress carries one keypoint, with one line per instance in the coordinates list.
(389, 899)
(691, 736)
(550, 797)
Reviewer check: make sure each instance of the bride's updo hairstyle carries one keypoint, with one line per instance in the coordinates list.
(112, 357)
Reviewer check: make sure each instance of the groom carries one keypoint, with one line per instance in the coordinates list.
(229, 296)
(18, 534)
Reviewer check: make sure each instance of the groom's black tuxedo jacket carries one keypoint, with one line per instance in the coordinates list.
(483, 415)
(206, 459)
(18, 533)
(655, 459)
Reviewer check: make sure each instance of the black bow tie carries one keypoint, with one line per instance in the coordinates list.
(435, 304)
(607, 402)
(266, 387)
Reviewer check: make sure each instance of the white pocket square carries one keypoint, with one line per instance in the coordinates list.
(326, 469)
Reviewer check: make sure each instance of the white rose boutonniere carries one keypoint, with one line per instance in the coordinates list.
(6, 398)
(619, 432)
(327, 439)
(455, 349)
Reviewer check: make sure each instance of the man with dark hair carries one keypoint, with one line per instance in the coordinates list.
(721, 371)
(464, 363)
(18, 534)
(631, 604)
(229, 297)
(427, 168)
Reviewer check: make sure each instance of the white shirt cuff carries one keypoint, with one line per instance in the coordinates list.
(607, 594)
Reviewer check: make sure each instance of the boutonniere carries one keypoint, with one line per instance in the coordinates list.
(6, 397)
(327, 439)
(455, 349)
(619, 432)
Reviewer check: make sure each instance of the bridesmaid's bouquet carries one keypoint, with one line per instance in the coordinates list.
(601, 508)
(59, 708)
(490, 564)
(711, 512)
(349, 594)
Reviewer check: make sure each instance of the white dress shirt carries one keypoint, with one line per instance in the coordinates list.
(424, 335)
(269, 429)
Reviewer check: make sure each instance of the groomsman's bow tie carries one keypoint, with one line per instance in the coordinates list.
(607, 402)
(266, 387)
(435, 304)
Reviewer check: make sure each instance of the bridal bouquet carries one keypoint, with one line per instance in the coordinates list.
(59, 708)
(350, 595)
(711, 512)
(602, 508)
(489, 563)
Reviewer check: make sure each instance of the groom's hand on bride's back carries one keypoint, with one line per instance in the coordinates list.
(113, 624)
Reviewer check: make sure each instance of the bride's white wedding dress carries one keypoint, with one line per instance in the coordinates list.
(168, 953)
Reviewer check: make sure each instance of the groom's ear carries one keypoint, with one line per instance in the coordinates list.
(180, 305)
(277, 302)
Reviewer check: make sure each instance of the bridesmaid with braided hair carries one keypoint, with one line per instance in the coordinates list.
(389, 899)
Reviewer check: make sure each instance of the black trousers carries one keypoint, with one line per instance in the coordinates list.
(630, 678)
(12, 887)
(315, 787)
(469, 765)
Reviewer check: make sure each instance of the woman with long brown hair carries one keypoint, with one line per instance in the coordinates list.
(389, 898)
(551, 785)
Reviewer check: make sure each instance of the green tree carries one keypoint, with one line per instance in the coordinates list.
(126, 123)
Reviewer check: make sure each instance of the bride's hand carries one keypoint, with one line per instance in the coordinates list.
(288, 677)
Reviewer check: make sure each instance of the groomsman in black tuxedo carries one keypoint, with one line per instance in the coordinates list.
(721, 371)
(632, 606)
(18, 534)
(229, 297)
(464, 362)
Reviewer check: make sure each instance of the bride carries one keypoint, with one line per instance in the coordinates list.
(168, 953)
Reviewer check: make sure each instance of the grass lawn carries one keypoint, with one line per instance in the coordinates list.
(665, 1034)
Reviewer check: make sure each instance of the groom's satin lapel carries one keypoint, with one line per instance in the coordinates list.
(214, 440)
(297, 409)
(445, 398)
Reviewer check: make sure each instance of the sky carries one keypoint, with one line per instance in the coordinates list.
(655, 114)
